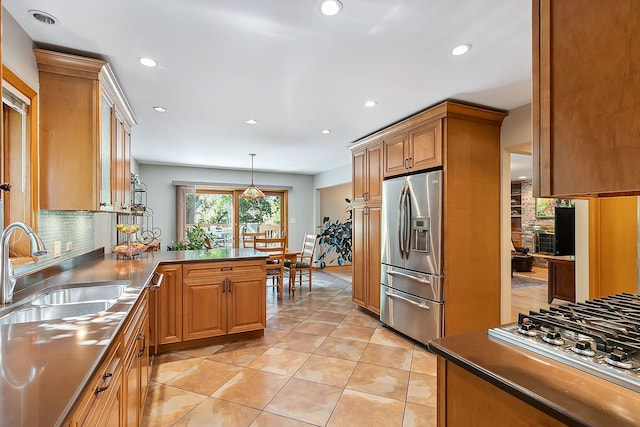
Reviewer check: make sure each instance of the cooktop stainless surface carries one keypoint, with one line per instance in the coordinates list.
(601, 336)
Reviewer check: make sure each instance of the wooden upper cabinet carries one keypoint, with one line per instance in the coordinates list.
(413, 151)
(425, 146)
(585, 97)
(396, 154)
(367, 175)
(84, 117)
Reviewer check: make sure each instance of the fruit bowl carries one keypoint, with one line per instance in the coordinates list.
(130, 250)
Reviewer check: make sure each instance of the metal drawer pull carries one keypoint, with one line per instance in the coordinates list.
(107, 377)
(156, 281)
(408, 300)
(143, 338)
(226, 268)
(408, 276)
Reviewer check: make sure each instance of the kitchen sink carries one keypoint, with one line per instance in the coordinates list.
(66, 301)
(53, 312)
(84, 293)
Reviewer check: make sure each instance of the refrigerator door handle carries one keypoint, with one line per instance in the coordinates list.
(407, 222)
(426, 307)
(409, 276)
(401, 223)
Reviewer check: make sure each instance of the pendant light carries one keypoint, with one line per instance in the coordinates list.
(252, 192)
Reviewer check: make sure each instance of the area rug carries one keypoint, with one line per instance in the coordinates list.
(519, 282)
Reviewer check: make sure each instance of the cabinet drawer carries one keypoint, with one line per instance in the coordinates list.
(100, 391)
(132, 325)
(208, 270)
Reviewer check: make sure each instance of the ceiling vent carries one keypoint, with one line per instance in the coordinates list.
(43, 17)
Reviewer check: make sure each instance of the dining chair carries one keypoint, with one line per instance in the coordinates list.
(247, 238)
(304, 260)
(275, 249)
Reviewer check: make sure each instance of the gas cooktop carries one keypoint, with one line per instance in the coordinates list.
(600, 336)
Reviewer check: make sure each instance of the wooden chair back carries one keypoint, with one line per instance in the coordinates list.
(247, 238)
(308, 247)
(275, 250)
(304, 261)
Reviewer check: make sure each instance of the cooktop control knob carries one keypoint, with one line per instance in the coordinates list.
(553, 337)
(529, 329)
(584, 348)
(618, 358)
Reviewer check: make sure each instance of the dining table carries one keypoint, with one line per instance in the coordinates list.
(291, 255)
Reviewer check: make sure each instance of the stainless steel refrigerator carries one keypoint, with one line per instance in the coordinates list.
(412, 279)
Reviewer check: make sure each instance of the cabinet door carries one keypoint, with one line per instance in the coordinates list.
(106, 152)
(372, 284)
(585, 106)
(117, 165)
(395, 155)
(375, 172)
(132, 389)
(359, 257)
(359, 177)
(113, 414)
(425, 146)
(121, 166)
(246, 303)
(102, 402)
(145, 364)
(167, 307)
(204, 311)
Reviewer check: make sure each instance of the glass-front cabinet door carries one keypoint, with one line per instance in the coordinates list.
(106, 149)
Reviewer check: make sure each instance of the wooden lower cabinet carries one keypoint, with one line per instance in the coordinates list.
(167, 300)
(466, 400)
(366, 258)
(215, 299)
(204, 310)
(115, 396)
(136, 365)
(102, 404)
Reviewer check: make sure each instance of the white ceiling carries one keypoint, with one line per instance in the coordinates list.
(294, 70)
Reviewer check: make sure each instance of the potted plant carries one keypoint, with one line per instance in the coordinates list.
(197, 238)
(336, 236)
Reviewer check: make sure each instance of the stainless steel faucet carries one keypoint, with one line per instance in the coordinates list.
(7, 279)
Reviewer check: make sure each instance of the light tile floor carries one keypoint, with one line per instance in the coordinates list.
(322, 361)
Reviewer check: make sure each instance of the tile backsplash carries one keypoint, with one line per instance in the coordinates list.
(85, 230)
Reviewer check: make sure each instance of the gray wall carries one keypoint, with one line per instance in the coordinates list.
(161, 195)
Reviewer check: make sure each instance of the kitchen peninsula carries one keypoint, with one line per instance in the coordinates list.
(485, 382)
(50, 368)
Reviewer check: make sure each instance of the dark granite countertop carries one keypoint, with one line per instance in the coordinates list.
(45, 365)
(565, 393)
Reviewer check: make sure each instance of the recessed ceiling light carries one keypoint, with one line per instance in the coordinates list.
(160, 109)
(148, 62)
(330, 7)
(44, 17)
(461, 50)
(370, 104)
(326, 131)
(522, 177)
(251, 122)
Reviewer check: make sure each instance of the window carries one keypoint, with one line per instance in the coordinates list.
(225, 216)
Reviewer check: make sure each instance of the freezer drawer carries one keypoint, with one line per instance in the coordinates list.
(422, 285)
(415, 317)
